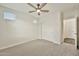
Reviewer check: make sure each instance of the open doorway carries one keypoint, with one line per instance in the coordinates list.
(70, 30)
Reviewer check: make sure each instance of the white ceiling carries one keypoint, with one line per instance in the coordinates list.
(23, 7)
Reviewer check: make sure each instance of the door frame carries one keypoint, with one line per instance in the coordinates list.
(76, 18)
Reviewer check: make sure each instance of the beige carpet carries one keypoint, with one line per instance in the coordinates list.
(40, 48)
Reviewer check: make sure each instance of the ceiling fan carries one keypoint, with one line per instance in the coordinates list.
(38, 9)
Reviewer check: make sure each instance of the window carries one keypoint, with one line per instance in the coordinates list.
(9, 16)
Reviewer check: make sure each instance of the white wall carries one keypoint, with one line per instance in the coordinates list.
(71, 13)
(13, 32)
(51, 27)
(24, 30)
(70, 28)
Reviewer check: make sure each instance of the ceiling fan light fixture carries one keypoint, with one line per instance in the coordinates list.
(38, 10)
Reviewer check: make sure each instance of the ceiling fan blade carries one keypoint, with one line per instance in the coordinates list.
(31, 11)
(44, 10)
(43, 5)
(31, 5)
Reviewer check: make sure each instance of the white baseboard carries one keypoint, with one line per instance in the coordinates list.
(15, 44)
(18, 43)
(53, 41)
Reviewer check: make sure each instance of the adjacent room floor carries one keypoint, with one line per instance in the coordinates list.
(40, 48)
(69, 40)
